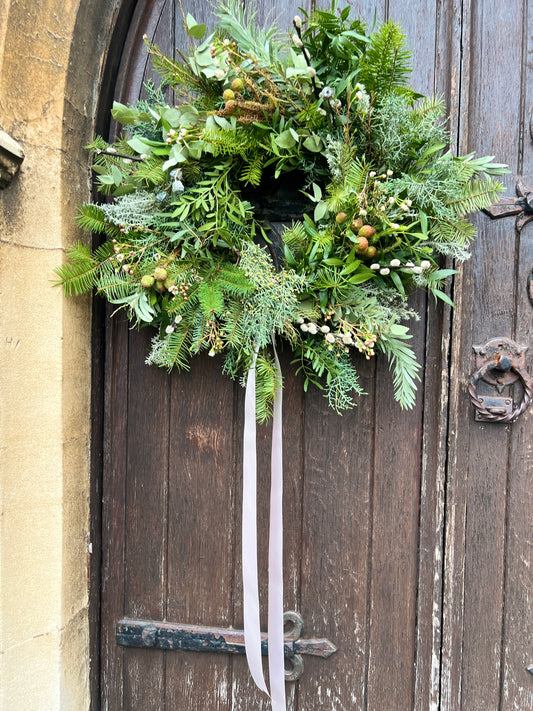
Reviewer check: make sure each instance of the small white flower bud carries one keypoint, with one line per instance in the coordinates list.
(312, 328)
(395, 263)
(425, 264)
(169, 329)
(297, 21)
(311, 71)
(389, 172)
(417, 270)
(384, 271)
(375, 267)
(325, 329)
(297, 41)
(330, 338)
(304, 327)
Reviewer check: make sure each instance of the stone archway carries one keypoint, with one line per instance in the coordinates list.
(52, 60)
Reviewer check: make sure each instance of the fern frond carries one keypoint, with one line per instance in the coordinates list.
(232, 281)
(150, 171)
(211, 297)
(78, 275)
(91, 218)
(445, 230)
(386, 63)
(252, 170)
(177, 350)
(267, 380)
(403, 364)
(114, 285)
(174, 73)
(477, 195)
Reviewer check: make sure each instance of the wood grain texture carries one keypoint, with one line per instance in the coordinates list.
(146, 524)
(479, 475)
(113, 511)
(408, 536)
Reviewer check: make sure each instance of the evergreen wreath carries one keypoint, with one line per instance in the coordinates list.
(187, 249)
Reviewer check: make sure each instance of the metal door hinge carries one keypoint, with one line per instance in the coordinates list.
(199, 638)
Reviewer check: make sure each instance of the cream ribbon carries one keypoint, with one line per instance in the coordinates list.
(252, 625)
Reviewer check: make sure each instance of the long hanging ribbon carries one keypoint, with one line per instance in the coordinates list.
(252, 626)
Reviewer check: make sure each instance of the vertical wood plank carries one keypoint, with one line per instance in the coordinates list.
(475, 535)
(154, 18)
(394, 542)
(244, 693)
(201, 529)
(517, 651)
(146, 523)
(337, 510)
(113, 510)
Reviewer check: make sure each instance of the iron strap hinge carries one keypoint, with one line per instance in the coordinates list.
(199, 638)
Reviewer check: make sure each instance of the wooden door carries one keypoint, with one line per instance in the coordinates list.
(408, 535)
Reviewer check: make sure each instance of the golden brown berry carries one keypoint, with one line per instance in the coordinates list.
(341, 218)
(367, 231)
(237, 84)
(361, 245)
(228, 95)
(371, 252)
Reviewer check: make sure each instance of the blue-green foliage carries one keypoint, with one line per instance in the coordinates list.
(187, 250)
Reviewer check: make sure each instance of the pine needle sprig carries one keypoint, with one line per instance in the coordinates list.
(386, 63)
(80, 273)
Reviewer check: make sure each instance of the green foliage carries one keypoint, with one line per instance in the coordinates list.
(403, 363)
(186, 250)
(385, 64)
(80, 273)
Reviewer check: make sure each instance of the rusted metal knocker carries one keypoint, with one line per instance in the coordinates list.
(500, 363)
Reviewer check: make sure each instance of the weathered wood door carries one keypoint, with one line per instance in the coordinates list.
(408, 535)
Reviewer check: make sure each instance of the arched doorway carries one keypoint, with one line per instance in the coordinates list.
(380, 556)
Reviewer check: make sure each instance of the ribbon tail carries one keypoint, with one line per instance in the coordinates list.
(252, 624)
(276, 654)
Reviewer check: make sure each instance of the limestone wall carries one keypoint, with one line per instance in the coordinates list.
(51, 54)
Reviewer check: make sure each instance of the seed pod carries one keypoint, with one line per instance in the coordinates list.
(237, 84)
(228, 95)
(367, 231)
(361, 245)
(147, 281)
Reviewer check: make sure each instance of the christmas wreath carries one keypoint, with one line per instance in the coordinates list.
(380, 198)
